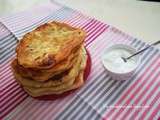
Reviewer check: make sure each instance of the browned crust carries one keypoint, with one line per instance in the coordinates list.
(44, 75)
(50, 59)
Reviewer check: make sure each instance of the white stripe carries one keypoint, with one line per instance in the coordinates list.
(9, 55)
(10, 42)
(18, 108)
(5, 63)
(8, 49)
(6, 38)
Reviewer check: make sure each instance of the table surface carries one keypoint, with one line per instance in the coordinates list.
(137, 18)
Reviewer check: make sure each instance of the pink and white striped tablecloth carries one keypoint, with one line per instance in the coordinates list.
(101, 97)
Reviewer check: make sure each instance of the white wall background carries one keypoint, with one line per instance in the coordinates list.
(140, 19)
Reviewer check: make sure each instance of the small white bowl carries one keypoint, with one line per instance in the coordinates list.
(121, 75)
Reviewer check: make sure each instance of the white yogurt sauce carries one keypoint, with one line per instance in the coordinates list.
(113, 61)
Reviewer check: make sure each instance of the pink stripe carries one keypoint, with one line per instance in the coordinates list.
(7, 83)
(130, 88)
(94, 32)
(155, 111)
(93, 28)
(8, 80)
(8, 69)
(153, 101)
(8, 92)
(18, 98)
(6, 76)
(9, 101)
(96, 35)
(143, 93)
(89, 26)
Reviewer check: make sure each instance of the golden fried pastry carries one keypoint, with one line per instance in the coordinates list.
(77, 83)
(63, 78)
(48, 44)
(51, 59)
(43, 75)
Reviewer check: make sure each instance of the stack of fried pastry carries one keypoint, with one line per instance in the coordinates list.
(50, 59)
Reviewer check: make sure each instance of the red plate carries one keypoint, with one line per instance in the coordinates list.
(86, 74)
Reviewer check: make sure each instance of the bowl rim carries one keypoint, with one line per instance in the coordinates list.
(122, 46)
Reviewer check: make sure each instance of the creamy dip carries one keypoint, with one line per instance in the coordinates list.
(112, 60)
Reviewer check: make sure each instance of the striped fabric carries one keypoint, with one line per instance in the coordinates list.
(101, 97)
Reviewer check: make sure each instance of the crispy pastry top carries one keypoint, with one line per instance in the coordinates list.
(48, 44)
